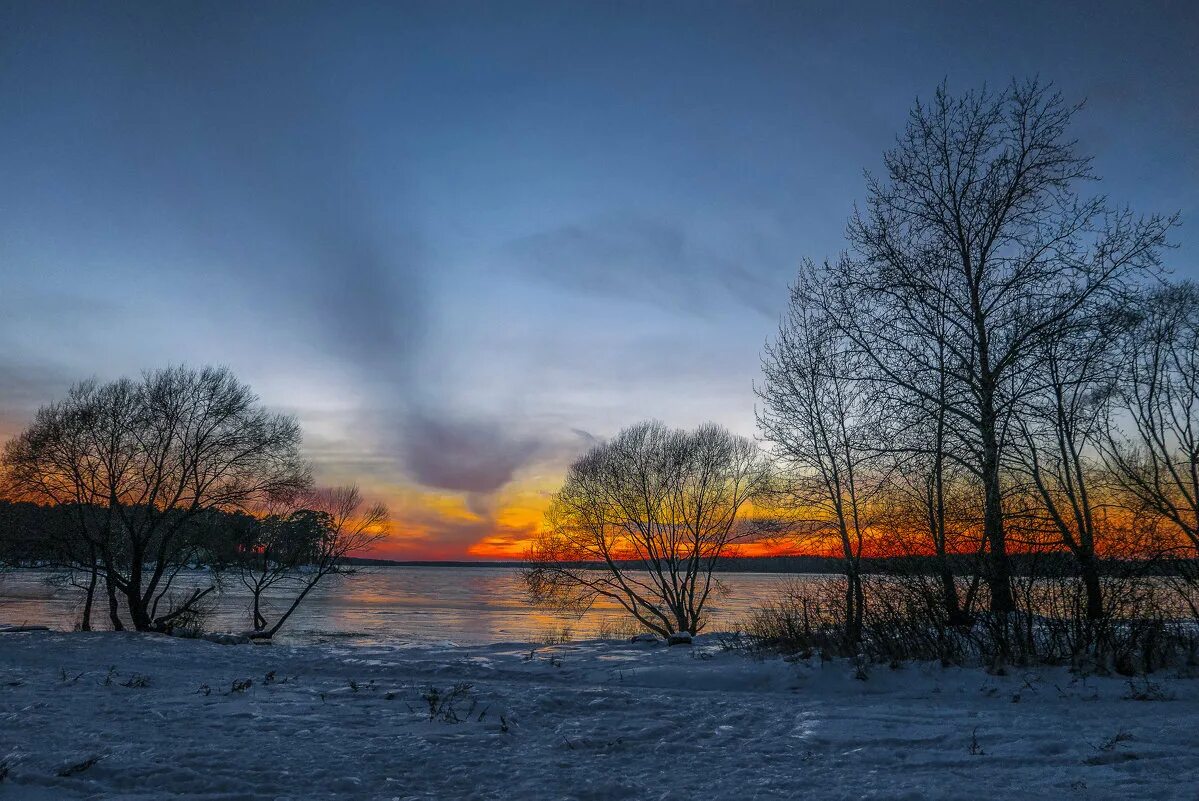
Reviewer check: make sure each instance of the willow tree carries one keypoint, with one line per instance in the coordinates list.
(291, 552)
(139, 461)
(642, 521)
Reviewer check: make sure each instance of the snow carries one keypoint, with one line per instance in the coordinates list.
(158, 716)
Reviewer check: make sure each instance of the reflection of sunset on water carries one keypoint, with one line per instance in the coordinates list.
(402, 604)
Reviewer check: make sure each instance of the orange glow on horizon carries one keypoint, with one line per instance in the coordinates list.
(515, 527)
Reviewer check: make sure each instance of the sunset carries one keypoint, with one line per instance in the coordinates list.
(598, 400)
(458, 264)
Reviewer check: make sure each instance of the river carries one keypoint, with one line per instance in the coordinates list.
(464, 605)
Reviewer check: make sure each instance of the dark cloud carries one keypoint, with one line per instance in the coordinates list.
(588, 439)
(366, 302)
(463, 455)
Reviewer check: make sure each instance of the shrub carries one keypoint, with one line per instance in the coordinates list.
(1137, 635)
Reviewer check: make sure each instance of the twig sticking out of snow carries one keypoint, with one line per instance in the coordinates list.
(975, 748)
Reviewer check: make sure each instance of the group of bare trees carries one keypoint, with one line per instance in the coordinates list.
(997, 374)
(998, 365)
(144, 476)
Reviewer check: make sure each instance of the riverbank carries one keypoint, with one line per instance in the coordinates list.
(126, 716)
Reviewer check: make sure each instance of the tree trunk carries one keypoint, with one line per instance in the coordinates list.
(999, 571)
(854, 600)
(114, 611)
(139, 612)
(163, 623)
(259, 620)
(859, 605)
(89, 598)
(954, 614)
(312, 582)
(1093, 587)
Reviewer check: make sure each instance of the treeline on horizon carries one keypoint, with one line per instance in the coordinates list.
(1023, 564)
(33, 533)
(29, 533)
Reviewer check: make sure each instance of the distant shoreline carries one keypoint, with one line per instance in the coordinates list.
(793, 565)
(747, 564)
(827, 565)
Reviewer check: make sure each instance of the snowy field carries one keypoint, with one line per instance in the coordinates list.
(146, 717)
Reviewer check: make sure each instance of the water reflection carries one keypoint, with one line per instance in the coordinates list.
(400, 604)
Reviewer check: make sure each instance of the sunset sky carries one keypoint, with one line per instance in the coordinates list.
(462, 242)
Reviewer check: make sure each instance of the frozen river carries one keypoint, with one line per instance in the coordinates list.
(465, 605)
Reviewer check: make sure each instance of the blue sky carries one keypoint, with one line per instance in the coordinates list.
(461, 240)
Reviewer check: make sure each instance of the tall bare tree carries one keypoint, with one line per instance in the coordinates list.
(979, 219)
(1152, 442)
(817, 413)
(930, 503)
(1060, 423)
(642, 520)
(139, 461)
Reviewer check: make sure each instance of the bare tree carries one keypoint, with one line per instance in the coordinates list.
(643, 519)
(979, 222)
(930, 501)
(1151, 443)
(139, 461)
(298, 551)
(929, 521)
(818, 415)
(1060, 423)
(263, 550)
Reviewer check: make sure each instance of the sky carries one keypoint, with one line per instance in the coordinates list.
(464, 241)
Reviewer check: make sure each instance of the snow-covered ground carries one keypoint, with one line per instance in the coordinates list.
(158, 717)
